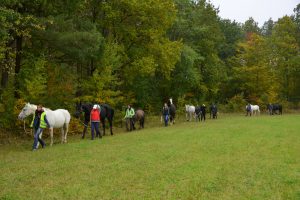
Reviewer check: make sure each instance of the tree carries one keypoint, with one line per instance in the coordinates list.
(250, 27)
(286, 52)
(268, 28)
(252, 71)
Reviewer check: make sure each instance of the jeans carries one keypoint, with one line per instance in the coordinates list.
(95, 126)
(166, 119)
(37, 138)
(129, 124)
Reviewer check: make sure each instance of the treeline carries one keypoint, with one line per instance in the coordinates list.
(142, 52)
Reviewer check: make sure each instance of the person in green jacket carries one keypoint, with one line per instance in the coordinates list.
(129, 116)
(39, 123)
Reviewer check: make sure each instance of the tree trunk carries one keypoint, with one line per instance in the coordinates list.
(5, 67)
(4, 76)
(19, 41)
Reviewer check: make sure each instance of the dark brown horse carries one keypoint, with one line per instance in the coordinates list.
(140, 117)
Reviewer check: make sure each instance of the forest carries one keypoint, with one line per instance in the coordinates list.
(120, 52)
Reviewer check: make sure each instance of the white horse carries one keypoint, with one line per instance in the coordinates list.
(59, 118)
(189, 112)
(254, 109)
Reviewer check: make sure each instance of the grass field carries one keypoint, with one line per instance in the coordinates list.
(233, 157)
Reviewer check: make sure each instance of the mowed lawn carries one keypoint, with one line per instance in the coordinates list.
(234, 157)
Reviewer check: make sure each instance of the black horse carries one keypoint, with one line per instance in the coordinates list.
(105, 112)
(172, 110)
(273, 108)
(213, 111)
(197, 113)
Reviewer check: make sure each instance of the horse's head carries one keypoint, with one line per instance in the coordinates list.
(26, 111)
(187, 107)
(78, 110)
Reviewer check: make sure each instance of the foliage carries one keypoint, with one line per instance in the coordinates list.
(142, 53)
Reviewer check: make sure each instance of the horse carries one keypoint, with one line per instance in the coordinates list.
(172, 110)
(213, 111)
(139, 117)
(252, 109)
(189, 112)
(105, 112)
(197, 113)
(273, 108)
(59, 118)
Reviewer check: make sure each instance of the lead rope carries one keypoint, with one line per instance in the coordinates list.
(24, 126)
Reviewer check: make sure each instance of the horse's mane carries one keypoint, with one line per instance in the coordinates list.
(35, 107)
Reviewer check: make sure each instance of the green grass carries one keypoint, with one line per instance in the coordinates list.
(233, 157)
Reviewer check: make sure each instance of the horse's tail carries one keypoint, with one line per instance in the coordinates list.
(112, 114)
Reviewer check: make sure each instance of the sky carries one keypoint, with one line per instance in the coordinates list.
(260, 10)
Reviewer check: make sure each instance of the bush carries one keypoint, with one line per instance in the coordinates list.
(236, 104)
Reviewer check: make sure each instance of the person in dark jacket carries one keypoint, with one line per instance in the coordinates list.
(165, 114)
(248, 109)
(203, 112)
(39, 123)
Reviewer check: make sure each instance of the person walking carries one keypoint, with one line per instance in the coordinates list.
(203, 112)
(95, 122)
(129, 118)
(165, 114)
(39, 123)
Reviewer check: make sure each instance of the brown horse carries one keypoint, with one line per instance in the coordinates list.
(140, 117)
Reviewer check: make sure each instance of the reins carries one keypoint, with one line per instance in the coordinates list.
(24, 126)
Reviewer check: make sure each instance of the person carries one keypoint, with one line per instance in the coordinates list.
(203, 112)
(213, 111)
(165, 114)
(129, 118)
(95, 121)
(248, 110)
(39, 123)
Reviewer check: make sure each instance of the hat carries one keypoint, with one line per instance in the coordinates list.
(95, 106)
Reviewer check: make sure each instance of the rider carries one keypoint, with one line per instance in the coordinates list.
(166, 113)
(129, 116)
(95, 121)
(39, 123)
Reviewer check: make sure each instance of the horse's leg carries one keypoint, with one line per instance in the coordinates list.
(103, 125)
(51, 136)
(62, 134)
(110, 120)
(66, 132)
(84, 131)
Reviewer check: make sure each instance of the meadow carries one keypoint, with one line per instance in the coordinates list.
(233, 157)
